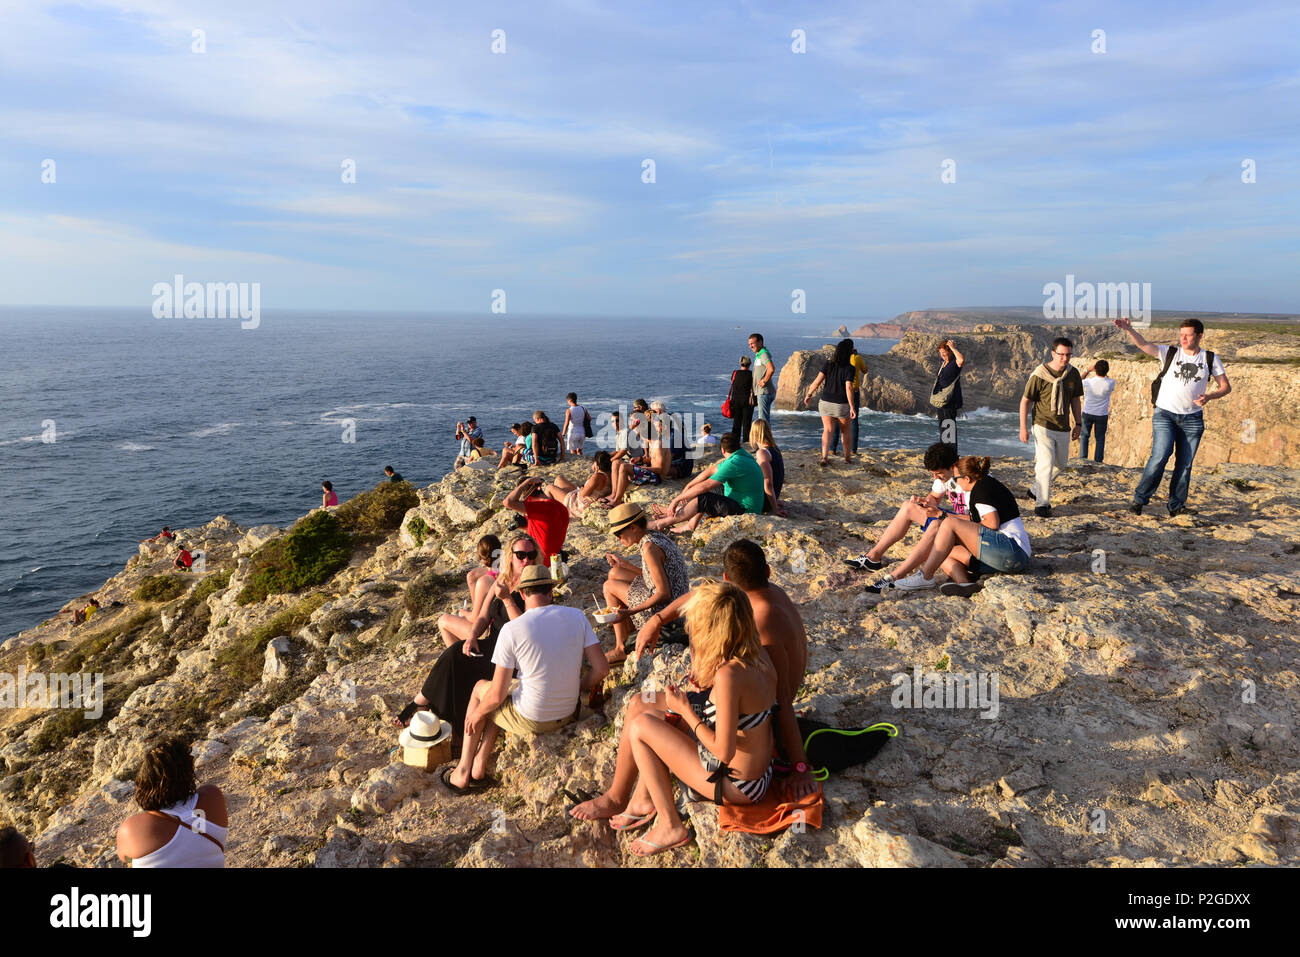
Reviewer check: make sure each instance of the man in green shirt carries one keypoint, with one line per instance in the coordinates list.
(1054, 391)
(731, 486)
(764, 387)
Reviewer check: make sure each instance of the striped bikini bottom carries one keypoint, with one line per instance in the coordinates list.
(754, 789)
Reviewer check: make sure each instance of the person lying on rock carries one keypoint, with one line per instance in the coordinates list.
(732, 486)
(638, 591)
(547, 645)
(781, 633)
(577, 499)
(716, 735)
(946, 498)
(998, 542)
(467, 660)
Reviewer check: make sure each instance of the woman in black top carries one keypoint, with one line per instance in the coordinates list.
(990, 538)
(950, 363)
(446, 692)
(742, 391)
(838, 404)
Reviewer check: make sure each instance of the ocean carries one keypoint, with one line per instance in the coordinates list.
(114, 423)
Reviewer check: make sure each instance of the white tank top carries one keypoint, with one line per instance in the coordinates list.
(187, 848)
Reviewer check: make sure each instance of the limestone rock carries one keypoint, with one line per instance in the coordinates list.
(389, 786)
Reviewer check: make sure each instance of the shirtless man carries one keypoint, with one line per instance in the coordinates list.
(782, 633)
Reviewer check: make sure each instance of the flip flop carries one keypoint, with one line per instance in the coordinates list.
(634, 821)
(484, 783)
(460, 792)
(574, 798)
(657, 847)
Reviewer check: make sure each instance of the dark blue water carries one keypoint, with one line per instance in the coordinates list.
(173, 422)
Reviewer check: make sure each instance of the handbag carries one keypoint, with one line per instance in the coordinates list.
(726, 403)
(943, 396)
(586, 424)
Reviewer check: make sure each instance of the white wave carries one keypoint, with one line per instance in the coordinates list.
(25, 438)
(221, 428)
(136, 447)
(984, 412)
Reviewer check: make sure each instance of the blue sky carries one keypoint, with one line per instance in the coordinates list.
(774, 170)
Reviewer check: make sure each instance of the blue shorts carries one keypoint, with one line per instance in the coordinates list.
(937, 518)
(999, 552)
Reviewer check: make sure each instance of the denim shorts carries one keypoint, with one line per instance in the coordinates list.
(999, 552)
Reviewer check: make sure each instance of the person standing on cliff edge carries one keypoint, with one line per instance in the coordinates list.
(764, 387)
(1054, 391)
(947, 391)
(1178, 420)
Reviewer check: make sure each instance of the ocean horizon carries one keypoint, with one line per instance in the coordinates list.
(117, 423)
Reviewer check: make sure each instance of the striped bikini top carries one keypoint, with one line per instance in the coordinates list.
(745, 722)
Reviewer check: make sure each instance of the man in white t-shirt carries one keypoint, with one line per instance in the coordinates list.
(1178, 420)
(1097, 387)
(546, 645)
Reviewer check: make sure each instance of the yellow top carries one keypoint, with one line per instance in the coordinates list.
(859, 370)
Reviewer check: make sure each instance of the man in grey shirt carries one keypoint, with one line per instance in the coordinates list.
(764, 387)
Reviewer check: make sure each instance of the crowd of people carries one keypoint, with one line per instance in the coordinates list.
(515, 661)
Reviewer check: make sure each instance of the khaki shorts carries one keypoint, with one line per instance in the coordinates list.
(508, 718)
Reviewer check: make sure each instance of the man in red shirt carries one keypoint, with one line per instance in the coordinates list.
(184, 561)
(548, 520)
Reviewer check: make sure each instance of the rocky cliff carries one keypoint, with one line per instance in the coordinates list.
(1148, 691)
(1254, 424)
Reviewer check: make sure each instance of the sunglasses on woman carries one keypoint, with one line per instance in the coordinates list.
(526, 555)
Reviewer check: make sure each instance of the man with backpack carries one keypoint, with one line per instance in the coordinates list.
(546, 440)
(1179, 394)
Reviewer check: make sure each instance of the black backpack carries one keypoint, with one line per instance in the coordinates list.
(547, 438)
(834, 749)
(1169, 360)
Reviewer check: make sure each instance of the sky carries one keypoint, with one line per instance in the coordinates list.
(774, 170)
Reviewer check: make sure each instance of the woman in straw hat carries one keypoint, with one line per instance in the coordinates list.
(716, 739)
(639, 591)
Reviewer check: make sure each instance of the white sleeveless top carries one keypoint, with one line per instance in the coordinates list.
(186, 848)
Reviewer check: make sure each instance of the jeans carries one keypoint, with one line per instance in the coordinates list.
(763, 410)
(1089, 423)
(1175, 434)
(853, 434)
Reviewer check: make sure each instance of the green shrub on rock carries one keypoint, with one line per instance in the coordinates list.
(315, 548)
(418, 528)
(427, 592)
(378, 511)
(160, 588)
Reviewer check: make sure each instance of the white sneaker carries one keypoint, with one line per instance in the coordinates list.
(914, 581)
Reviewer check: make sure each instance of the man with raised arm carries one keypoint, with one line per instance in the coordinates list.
(1178, 420)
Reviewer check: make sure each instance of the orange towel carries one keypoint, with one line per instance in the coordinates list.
(772, 814)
